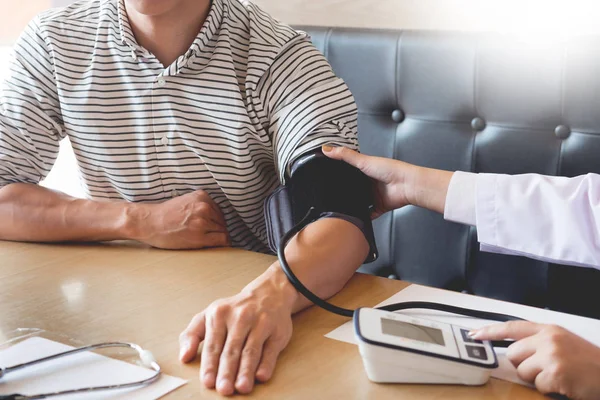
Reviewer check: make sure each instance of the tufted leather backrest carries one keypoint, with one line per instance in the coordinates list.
(482, 103)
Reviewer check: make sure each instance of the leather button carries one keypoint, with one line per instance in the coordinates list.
(397, 116)
(478, 124)
(562, 131)
(392, 276)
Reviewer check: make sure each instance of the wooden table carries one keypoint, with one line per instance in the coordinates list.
(122, 291)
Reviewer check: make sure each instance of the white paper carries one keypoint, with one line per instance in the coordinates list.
(77, 371)
(585, 327)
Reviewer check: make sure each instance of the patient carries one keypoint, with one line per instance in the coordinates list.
(505, 210)
(183, 116)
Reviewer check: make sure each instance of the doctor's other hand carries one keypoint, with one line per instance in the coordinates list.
(397, 183)
(190, 221)
(554, 359)
(243, 336)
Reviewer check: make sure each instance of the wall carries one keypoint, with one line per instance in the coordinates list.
(14, 16)
(574, 16)
(542, 16)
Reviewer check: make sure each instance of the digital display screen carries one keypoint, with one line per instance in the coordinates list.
(411, 331)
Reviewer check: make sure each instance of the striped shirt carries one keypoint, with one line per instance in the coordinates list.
(228, 116)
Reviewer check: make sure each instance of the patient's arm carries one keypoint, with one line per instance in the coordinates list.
(244, 334)
(35, 214)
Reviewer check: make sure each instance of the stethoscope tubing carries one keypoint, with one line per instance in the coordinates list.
(152, 364)
(311, 216)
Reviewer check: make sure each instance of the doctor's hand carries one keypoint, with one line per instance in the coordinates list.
(190, 221)
(552, 358)
(397, 183)
(243, 335)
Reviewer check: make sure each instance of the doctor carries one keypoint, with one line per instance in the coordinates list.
(526, 215)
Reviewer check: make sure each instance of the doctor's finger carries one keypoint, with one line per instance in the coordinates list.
(529, 369)
(515, 330)
(352, 157)
(190, 338)
(545, 382)
(374, 167)
(521, 350)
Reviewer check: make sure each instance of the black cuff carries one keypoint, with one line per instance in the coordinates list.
(333, 188)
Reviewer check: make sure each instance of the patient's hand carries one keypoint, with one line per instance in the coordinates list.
(191, 221)
(243, 334)
(552, 358)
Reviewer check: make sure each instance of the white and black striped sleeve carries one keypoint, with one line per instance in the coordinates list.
(307, 105)
(30, 122)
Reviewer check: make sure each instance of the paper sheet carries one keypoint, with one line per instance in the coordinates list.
(587, 328)
(77, 371)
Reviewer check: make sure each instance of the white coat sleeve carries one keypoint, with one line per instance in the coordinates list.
(553, 219)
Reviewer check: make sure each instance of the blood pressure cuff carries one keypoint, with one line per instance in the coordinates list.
(334, 188)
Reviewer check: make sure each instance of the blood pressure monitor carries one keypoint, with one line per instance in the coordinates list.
(399, 348)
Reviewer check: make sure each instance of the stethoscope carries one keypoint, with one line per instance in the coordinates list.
(311, 216)
(146, 358)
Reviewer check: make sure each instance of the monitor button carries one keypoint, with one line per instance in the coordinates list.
(467, 338)
(477, 352)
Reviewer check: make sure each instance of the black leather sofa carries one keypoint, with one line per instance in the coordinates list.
(473, 102)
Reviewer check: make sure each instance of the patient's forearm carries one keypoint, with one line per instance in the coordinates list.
(35, 214)
(324, 256)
